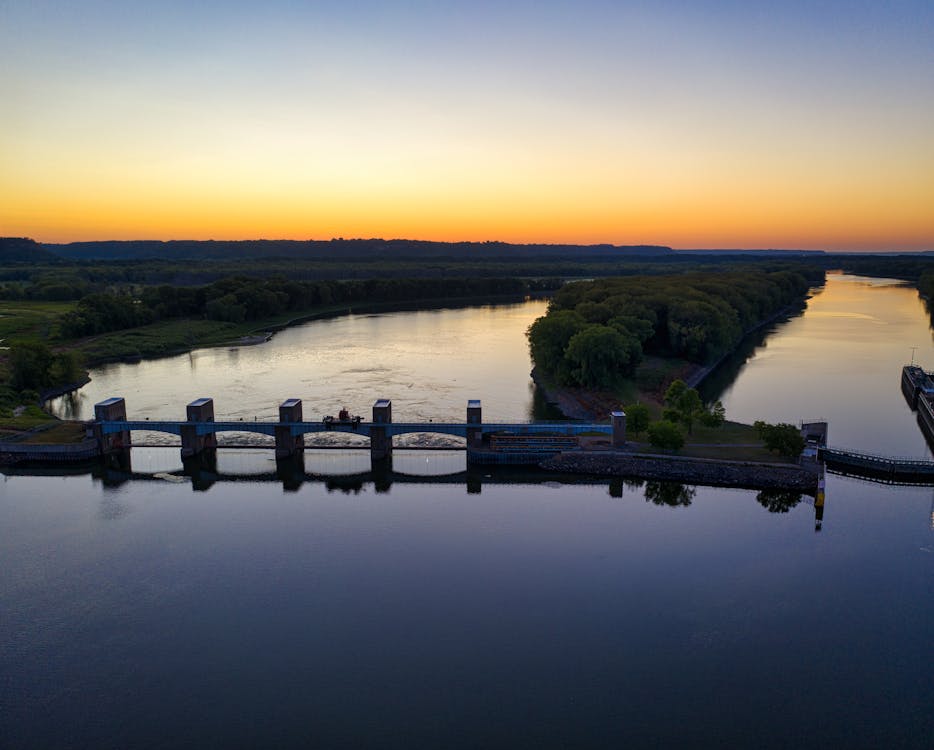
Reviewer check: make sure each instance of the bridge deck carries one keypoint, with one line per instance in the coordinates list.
(875, 466)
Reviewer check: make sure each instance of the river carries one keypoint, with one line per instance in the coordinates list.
(401, 611)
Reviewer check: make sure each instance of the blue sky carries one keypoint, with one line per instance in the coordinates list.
(689, 124)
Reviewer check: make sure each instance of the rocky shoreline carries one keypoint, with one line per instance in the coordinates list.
(576, 403)
(710, 472)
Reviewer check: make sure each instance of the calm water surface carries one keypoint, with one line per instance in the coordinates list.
(504, 611)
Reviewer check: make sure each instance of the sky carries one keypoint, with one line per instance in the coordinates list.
(688, 124)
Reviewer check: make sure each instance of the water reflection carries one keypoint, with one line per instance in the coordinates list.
(778, 501)
(671, 494)
(838, 362)
(352, 472)
(69, 406)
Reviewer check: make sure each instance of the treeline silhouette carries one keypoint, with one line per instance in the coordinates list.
(339, 248)
(240, 299)
(74, 280)
(24, 250)
(596, 332)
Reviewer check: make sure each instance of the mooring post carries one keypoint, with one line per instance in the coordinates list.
(380, 441)
(474, 428)
(618, 418)
(198, 411)
(110, 410)
(288, 444)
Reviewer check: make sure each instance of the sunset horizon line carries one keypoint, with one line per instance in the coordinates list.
(797, 248)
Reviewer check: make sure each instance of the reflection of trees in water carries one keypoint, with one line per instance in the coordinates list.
(669, 493)
(778, 501)
(617, 484)
(727, 371)
(67, 406)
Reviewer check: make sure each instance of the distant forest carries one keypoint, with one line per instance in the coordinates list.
(31, 271)
(335, 249)
(239, 299)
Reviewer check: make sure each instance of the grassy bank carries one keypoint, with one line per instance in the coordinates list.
(732, 441)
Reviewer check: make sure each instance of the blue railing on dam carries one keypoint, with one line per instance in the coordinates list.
(391, 429)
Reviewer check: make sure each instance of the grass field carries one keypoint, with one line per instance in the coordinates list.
(732, 441)
(29, 321)
(63, 432)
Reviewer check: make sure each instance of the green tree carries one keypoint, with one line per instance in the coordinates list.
(783, 438)
(548, 338)
(64, 368)
(30, 366)
(675, 391)
(637, 418)
(599, 356)
(684, 404)
(714, 416)
(666, 435)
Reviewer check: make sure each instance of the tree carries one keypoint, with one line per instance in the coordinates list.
(714, 416)
(33, 366)
(783, 438)
(684, 404)
(598, 356)
(64, 368)
(666, 435)
(637, 418)
(548, 338)
(30, 366)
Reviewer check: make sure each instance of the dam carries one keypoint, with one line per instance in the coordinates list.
(490, 442)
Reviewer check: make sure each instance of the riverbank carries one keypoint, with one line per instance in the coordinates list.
(710, 472)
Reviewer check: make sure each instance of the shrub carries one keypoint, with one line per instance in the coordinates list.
(666, 435)
(783, 438)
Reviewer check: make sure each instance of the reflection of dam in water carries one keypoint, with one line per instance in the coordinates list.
(350, 471)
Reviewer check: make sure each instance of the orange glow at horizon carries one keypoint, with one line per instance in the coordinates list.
(752, 136)
(723, 218)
